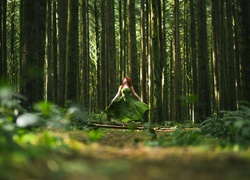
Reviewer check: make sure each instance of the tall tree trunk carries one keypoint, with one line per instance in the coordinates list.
(3, 45)
(33, 50)
(121, 44)
(13, 69)
(244, 30)
(222, 58)
(143, 60)
(110, 49)
(156, 62)
(48, 60)
(123, 47)
(132, 49)
(230, 59)
(204, 99)
(177, 66)
(99, 97)
(171, 69)
(72, 52)
(193, 56)
(237, 54)
(62, 37)
(150, 61)
(215, 57)
(54, 53)
(165, 93)
(85, 59)
(104, 90)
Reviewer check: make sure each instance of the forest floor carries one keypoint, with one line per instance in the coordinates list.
(127, 154)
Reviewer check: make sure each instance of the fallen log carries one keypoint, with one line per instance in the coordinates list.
(134, 127)
(116, 126)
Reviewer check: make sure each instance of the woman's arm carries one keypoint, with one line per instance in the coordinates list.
(117, 95)
(134, 93)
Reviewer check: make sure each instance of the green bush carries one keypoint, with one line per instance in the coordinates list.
(233, 126)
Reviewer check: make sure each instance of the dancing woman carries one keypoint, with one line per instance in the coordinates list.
(127, 105)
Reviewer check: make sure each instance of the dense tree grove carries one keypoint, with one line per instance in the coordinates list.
(188, 59)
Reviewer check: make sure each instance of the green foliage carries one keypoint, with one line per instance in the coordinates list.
(178, 137)
(9, 109)
(234, 126)
(95, 135)
(151, 133)
(19, 127)
(183, 138)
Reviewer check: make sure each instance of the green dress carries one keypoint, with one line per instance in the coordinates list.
(127, 108)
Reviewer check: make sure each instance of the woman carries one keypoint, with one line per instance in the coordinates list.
(127, 105)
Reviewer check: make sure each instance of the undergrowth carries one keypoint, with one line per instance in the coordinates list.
(233, 126)
(25, 136)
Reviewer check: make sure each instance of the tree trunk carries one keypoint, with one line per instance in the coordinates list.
(204, 99)
(231, 98)
(215, 57)
(13, 69)
(244, 30)
(104, 84)
(132, 49)
(48, 58)
(72, 53)
(237, 54)
(193, 57)
(62, 37)
(222, 58)
(54, 54)
(99, 97)
(110, 50)
(143, 60)
(177, 66)
(85, 60)
(3, 45)
(33, 51)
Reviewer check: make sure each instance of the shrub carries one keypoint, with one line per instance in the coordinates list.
(233, 126)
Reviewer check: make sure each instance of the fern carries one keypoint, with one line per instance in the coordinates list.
(233, 126)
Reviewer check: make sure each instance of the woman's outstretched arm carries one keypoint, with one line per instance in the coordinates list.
(117, 95)
(134, 93)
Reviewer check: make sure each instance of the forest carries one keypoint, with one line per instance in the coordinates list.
(188, 60)
(62, 61)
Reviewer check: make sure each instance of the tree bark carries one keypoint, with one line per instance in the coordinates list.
(177, 66)
(104, 89)
(110, 50)
(132, 49)
(33, 51)
(230, 59)
(72, 53)
(143, 58)
(62, 37)
(3, 45)
(48, 58)
(193, 57)
(85, 57)
(204, 98)
(244, 31)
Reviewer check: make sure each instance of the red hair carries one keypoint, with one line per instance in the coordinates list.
(129, 82)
